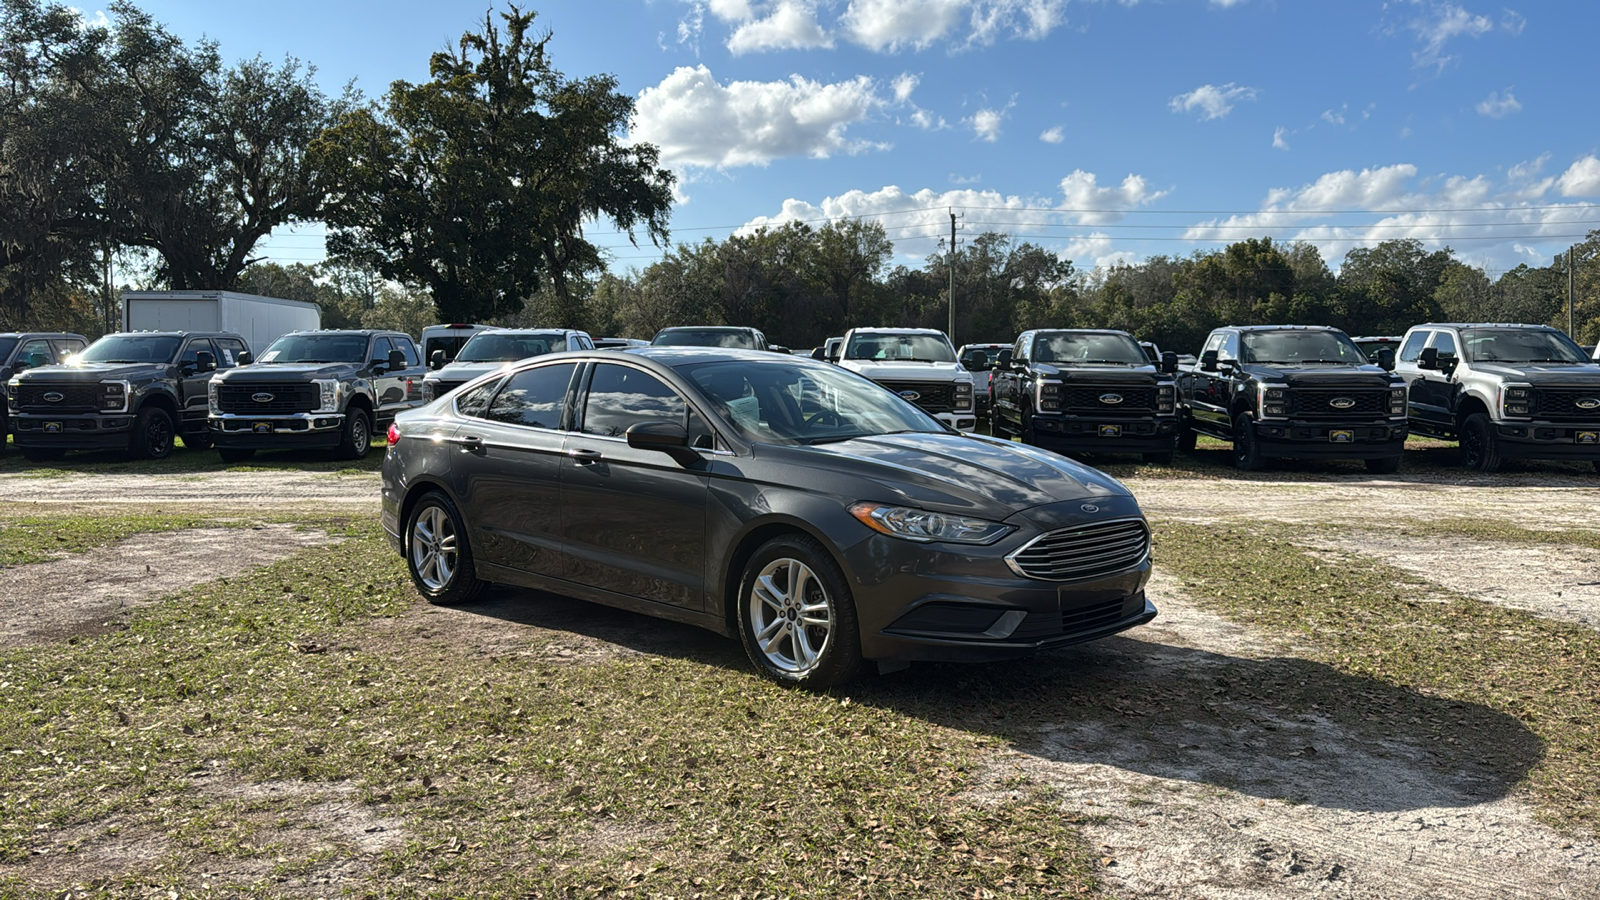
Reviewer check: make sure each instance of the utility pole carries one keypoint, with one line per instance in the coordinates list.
(950, 263)
(1570, 333)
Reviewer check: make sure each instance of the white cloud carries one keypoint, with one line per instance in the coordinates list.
(1497, 107)
(986, 123)
(1335, 118)
(732, 10)
(86, 21)
(1085, 202)
(1436, 23)
(690, 26)
(1212, 101)
(1225, 4)
(698, 122)
(904, 85)
(887, 26)
(1029, 19)
(792, 25)
(1581, 179)
(1053, 135)
(1280, 138)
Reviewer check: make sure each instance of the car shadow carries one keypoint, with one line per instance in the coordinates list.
(1275, 727)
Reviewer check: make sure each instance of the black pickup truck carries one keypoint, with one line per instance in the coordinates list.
(134, 390)
(316, 389)
(1297, 391)
(21, 350)
(1086, 391)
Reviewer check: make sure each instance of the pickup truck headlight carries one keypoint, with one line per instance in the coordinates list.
(213, 391)
(963, 398)
(1516, 400)
(1049, 396)
(113, 396)
(330, 395)
(1397, 403)
(1274, 401)
(1165, 394)
(924, 525)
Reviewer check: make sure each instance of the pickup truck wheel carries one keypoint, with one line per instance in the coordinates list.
(1246, 451)
(356, 438)
(1029, 435)
(1186, 438)
(152, 434)
(235, 454)
(797, 620)
(1385, 466)
(43, 454)
(437, 553)
(1479, 448)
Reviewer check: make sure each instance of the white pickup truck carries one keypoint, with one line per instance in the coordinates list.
(919, 364)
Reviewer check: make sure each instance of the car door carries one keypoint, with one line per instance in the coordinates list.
(1208, 402)
(388, 386)
(507, 467)
(1405, 365)
(193, 383)
(1432, 392)
(635, 519)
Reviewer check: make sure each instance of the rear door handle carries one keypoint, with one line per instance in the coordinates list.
(469, 443)
(585, 457)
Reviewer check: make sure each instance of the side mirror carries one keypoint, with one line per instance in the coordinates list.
(397, 360)
(778, 348)
(820, 354)
(666, 437)
(978, 361)
(1003, 359)
(436, 360)
(1208, 361)
(1429, 358)
(1169, 362)
(245, 357)
(205, 361)
(1385, 359)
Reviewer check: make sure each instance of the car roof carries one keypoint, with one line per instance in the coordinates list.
(39, 334)
(881, 330)
(708, 328)
(1486, 325)
(171, 334)
(1250, 328)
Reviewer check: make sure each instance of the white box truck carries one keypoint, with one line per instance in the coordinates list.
(259, 320)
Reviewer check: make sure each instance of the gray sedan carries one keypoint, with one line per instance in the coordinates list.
(816, 516)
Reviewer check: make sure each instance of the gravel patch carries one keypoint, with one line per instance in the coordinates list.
(241, 491)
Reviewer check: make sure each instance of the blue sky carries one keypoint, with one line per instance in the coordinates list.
(1102, 129)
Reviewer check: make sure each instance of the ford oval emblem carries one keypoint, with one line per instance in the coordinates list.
(1341, 403)
(1588, 403)
(54, 397)
(912, 396)
(262, 397)
(1111, 399)
(1089, 508)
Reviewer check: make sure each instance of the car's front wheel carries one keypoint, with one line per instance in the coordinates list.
(1480, 449)
(152, 434)
(796, 617)
(356, 437)
(1246, 449)
(438, 555)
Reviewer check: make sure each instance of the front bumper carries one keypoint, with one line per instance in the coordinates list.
(961, 421)
(299, 430)
(84, 431)
(1548, 440)
(1086, 434)
(1297, 439)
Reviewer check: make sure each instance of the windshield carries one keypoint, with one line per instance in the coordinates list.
(315, 348)
(803, 403)
(903, 347)
(1084, 349)
(450, 344)
(5, 347)
(1517, 345)
(491, 346)
(131, 348)
(737, 339)
(1301, 348)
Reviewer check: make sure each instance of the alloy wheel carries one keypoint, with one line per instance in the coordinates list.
(791, 616)
(433, 548)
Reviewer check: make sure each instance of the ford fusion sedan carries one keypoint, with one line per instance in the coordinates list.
(812, 514)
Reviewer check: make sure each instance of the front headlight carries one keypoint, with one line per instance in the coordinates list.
(1166, 395)
(1049, 395)
(329, 389)
(213, 390)
(1516, 400)
(923, 525)
(1397, 402)
(963, 395)
(1274, 400)
(113, 396)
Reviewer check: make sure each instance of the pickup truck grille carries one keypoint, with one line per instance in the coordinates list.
(74, 397)
(240, 399)
(1326, 403)
(1080, 398)
(1562, 403)
(1084, 552)
(932, 396)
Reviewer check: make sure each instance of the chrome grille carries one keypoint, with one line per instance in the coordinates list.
(293, 397)
(1318, 402)
(1084, 552)
(29, 396)
(1562, 403)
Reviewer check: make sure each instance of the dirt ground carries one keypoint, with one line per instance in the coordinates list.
(1290, 806)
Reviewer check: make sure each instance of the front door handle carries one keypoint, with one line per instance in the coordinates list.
(585, 457)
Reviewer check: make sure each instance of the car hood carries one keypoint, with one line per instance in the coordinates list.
(94, 372)
(1099, 374)
(965, 474)
(263, 373)
(899, 370)
(465, 371)
(1324, 376)
(1543, 375)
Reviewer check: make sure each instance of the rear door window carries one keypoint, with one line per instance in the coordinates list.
(380, 351)
(404, 345)
(228, 352)
(534, 397)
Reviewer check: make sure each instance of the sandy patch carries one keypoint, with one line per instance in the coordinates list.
(238, 490)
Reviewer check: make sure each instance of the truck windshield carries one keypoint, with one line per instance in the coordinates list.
(317, 348)
(705, 337)
(1301, 348)
(1519, 345)
(902, 347)
(1087, 349)
(490, 346)
(131, 348)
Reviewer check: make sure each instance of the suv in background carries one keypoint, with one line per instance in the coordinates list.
(489, 350)
(30, 350)
(1087, 391)
(1503, 391)
(982, 371)
(919, 364)
(1298, 391)
(316, 389)
(441, 343)
(731, 336)
(134, 390)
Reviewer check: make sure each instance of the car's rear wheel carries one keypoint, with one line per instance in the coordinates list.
(1479, 448)
(1246, 449)
(235, 454)
(437, 553)
(796, 617)
(152, 434)
(1388, 465)
(356, 437)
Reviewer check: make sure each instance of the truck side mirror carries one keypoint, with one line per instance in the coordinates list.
(978, 361)
(245, 357)
(436, 360)
(1385, 359)
(1169, 362)
(397, 360)
(820, 354)
(1429, 358)
(1002, 360)
(205, 361)
(1208, 361)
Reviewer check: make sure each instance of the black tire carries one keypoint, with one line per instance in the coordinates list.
(1028, 434)
(1246, 450)
(356, 437)
(790, 655)
(235, 454)
(1186, 438)
(1388, 465)
(438, 555)
(1160, 458)
(1480, 450)
(1597, 466)
(43, 454)
(152, 434)
(201, 441)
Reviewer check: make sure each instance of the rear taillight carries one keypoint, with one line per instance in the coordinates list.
(394, 434)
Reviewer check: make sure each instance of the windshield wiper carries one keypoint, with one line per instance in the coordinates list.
(1105, 362)
(1330, 362)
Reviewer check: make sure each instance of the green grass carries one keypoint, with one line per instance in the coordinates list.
(32, 539)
